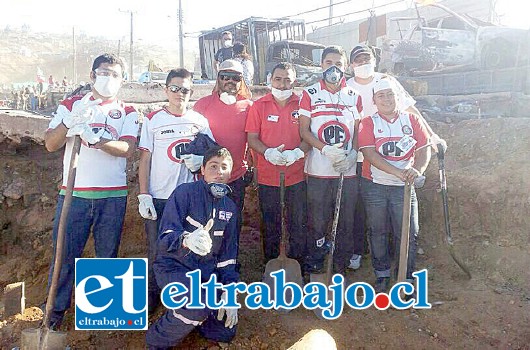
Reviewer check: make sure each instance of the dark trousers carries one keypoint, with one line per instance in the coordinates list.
(384, 204)
(104, 218)
(296, 218)
(321, 198)
(151, 232)
(174, 325)
(359, 228)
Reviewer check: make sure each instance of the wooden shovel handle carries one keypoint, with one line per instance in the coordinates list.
(61, 232)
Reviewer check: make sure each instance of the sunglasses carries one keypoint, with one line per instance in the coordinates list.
(175, 88)
(230, 76)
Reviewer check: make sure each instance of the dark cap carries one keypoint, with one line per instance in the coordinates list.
(360, 49)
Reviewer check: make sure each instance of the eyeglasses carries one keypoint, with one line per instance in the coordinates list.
(230, 76)
(175, 88)
(105, 72)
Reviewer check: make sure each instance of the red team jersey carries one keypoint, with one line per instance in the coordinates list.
(276, 125)
(377, 132)
(227, 123)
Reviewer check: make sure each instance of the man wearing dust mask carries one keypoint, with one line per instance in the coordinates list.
(226, 110)
(226, 51)
(108, 130)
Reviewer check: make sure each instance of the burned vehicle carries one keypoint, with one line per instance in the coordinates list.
(303, 55)
(269, 41)
(454, 40)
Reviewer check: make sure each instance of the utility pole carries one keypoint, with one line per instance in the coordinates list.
(181, 35)
(131, 46)
(330, 12)
(74, 68)
(132, 55)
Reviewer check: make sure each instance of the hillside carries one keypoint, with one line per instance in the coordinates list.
(23, 52)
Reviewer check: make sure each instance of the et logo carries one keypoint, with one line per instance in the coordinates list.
(333, 132)
(176, 148)
(111, 294)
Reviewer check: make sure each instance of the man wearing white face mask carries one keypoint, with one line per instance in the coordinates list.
(273, 133)
(330, 113)
(226, 52)
(362, 61)
(226, 110)
(108, 130)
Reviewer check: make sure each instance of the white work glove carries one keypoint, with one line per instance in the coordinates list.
(292, 156)
(199, 241)
(275, 156)
(192, 161)
(87, 133)
(335, 152)
(82, 112)
(436, 140)
(146, 207)
(231, 314)
(347, 163)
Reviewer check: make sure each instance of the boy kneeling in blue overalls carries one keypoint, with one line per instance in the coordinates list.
(198, 231)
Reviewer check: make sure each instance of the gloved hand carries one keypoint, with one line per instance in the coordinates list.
(87, 133)
(335, 152)
(275, 156)
(231, 314)
(347, 163)
(192, 161)
(82, 112)
(199, 241)
(436, 140)
(292, 156)
(146, 207)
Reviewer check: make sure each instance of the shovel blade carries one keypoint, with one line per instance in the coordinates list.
(292, 274)
(323, 278)
(37, 338)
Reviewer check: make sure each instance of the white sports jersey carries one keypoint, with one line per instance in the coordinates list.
(333, 118)
(403, 99)
(166, 135)
(384, 136)
(99, 174)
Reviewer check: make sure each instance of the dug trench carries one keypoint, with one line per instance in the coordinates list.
(487, 164)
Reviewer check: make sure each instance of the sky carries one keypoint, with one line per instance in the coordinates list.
(157, 21)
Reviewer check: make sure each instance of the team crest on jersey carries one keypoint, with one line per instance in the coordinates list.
(109, 130)
(115, 114)
(406, 130)
(295, 116)
(175, 149)
(333, 132)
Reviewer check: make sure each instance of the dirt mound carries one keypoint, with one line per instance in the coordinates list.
(489, 200)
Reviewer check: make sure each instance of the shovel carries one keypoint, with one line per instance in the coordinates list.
(405, 228)
(282, 262)
(448, 237)
(325, 278)
(44, 337)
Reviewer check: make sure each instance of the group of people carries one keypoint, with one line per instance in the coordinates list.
(193, 172)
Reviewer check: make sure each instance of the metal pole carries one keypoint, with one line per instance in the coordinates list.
(181, 36)
(330, 12)
(74, 70)
(131, 63)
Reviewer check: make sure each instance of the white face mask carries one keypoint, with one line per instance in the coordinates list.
(281, 95)
(365, 71)
(227, 43)
(107, 86)
(227, 99)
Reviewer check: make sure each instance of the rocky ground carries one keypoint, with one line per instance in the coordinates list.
(489, 199)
